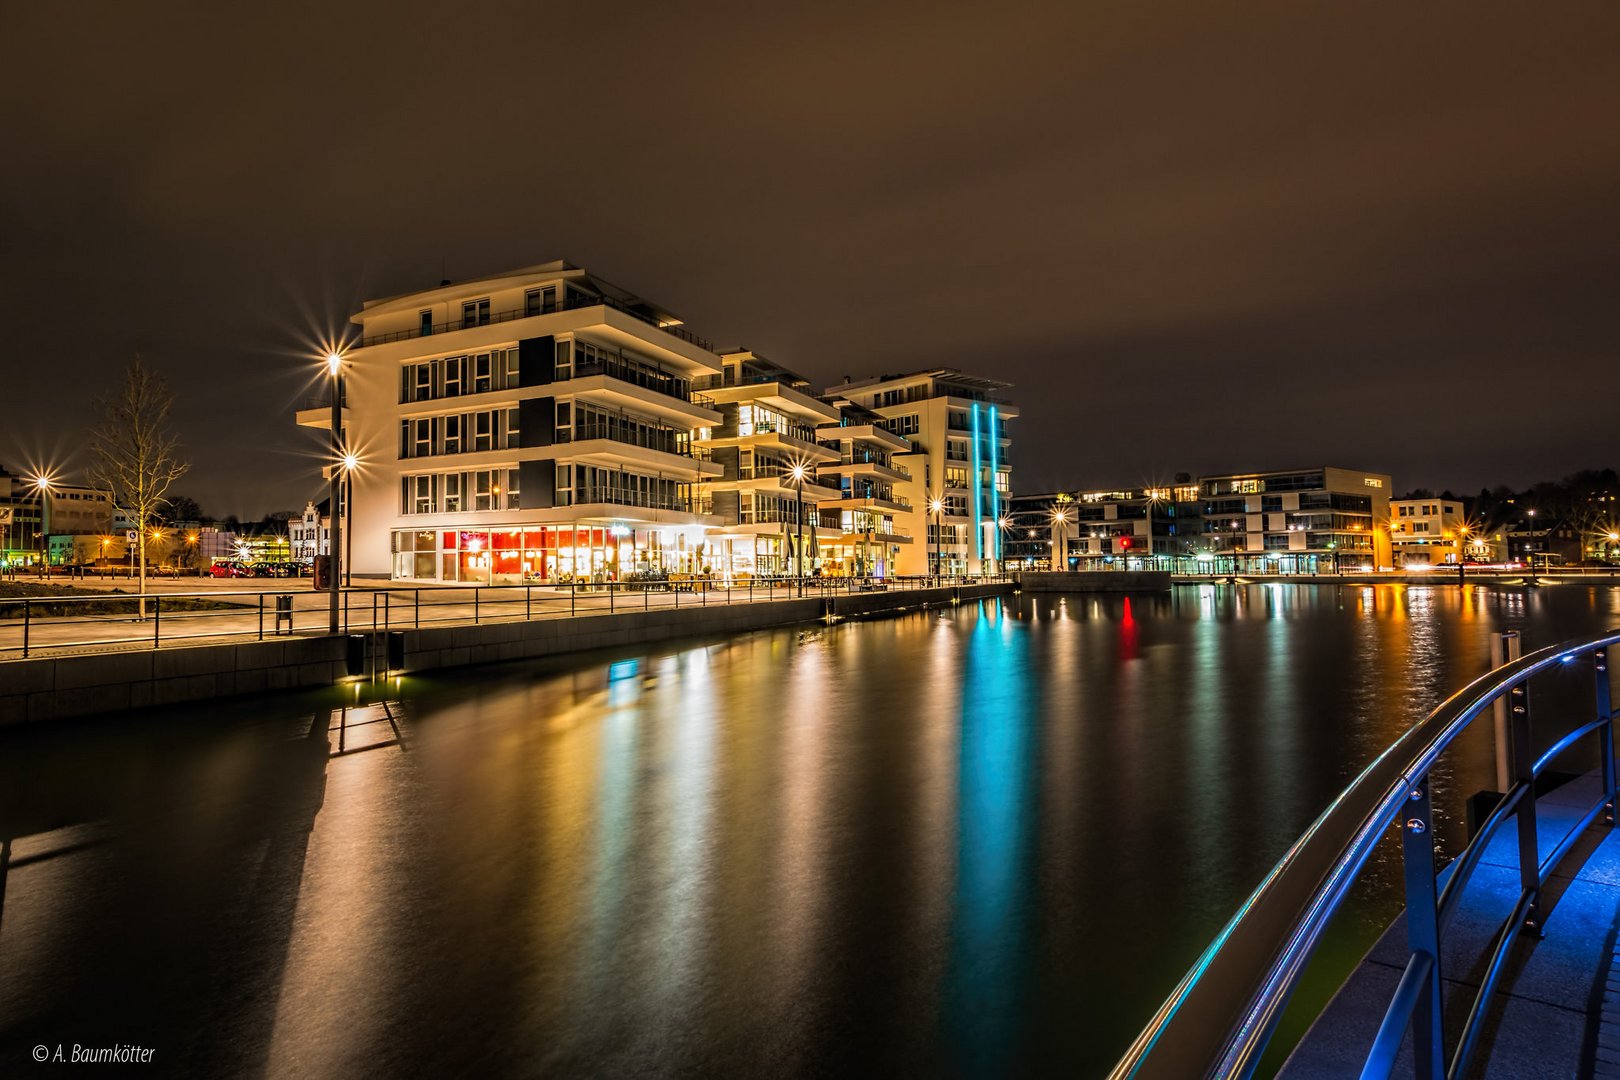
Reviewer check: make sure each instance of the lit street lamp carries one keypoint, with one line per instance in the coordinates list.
(43, 485)
(936, 506)
(1060, 540)
(798, 474)
(350, 463)
(334, 367)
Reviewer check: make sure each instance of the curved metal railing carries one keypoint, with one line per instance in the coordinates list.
(1220, 1016)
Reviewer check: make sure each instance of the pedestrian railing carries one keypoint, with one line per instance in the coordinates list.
(114, 620)
(1221, 1015)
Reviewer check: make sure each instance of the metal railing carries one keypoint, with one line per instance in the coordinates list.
(1221, 1015)
(570, 302)
(30, 626)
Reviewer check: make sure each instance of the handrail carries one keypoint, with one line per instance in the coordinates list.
(1220, 1016)
(79, 622)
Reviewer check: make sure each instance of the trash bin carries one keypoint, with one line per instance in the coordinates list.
(284, 613)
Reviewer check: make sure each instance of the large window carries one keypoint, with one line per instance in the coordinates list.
(475, 313)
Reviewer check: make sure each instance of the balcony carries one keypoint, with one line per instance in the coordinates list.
(570, 302)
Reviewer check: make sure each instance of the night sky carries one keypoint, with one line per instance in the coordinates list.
(1196, 236)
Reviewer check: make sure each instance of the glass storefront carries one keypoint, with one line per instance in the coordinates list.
(515, 555)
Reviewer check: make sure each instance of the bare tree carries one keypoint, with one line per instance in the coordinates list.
(136, 456)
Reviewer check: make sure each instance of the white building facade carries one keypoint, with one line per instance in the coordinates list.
(537, 425)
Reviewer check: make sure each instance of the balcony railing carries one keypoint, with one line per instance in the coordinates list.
(570, 302)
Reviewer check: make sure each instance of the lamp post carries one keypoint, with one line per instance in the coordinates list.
(936, 507)
(1060, 539)
(1002, 524)
(798, 472)
(334, 367)
(349, 464)
(42, 488)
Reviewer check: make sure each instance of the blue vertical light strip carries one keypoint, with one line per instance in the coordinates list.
(978, 498)
(995, 493)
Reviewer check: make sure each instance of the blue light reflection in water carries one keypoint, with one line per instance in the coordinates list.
(993, 844)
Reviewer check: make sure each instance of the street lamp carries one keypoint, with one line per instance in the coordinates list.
(334, 368)
(350, 463)
(936, 507)
(1003, 523)
(43, 484)
(1060, 539)
(797, 472)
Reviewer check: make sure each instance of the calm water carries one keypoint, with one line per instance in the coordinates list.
(980, 842)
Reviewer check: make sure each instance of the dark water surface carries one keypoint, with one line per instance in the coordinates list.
(979, 842)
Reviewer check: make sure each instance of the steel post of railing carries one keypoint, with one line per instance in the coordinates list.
(1524, 771)
(1605, 714)
(27, 621)
(1505, 648)
(573, 595)
(345, 611)
(261, 616)
(528, 603)
(610, 597)
(476, 591)
(1423, 930)
(157, 620)
(416, 609)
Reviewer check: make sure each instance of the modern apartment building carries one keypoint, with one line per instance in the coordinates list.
(959, 472)
(537, 424)
(1315, 520)
(1427, 532)
(1147, 528)
(769, 491)
(859, 534)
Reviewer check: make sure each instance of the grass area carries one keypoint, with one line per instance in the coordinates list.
(95, 602)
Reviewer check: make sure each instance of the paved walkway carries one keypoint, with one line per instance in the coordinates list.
(367, 606)
(1555, 1008)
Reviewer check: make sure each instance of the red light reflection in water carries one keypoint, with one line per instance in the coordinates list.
(1127, 633)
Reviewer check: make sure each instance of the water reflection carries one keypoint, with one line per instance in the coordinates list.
(925, 844)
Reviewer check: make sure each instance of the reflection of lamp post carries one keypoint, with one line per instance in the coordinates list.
(798, 474)
(334, 367)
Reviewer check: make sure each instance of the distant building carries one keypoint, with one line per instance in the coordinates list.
(1315, 520)
(310, 533)
(30, 516)
(1427, 532)
(1542, 543)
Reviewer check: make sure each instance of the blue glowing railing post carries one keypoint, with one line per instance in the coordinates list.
(1524, 772)
(1605, 714)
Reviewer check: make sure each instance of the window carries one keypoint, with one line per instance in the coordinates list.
(483, 376)
(452, 434)
(423, 383)
(565, 361)
(483, 490)
(540, 301)
(955, 476)
(483, 433)
(565, 486)
(475, 313)
(565, 421)
(513, 429)
(421, 438)
(421, 494)
(425, 323)
(512, 378)
(452, 493)
(454, 375)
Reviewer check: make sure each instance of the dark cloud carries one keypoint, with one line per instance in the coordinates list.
(1197, 236)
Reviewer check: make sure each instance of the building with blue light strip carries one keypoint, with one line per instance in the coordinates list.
(959, 459)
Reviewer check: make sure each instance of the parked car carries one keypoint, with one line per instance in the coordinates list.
(229, 568)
